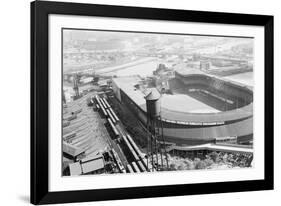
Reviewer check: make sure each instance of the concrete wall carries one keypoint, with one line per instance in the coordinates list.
(116, 90)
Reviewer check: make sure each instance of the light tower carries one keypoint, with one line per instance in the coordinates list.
(155, 129)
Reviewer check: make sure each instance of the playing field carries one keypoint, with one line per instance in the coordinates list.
(185, 103)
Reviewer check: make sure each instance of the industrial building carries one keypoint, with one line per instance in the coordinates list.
(88, 165)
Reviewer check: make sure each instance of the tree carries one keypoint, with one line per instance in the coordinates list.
(172, 167)
(214, 156)
(208, 162)
(200, 165)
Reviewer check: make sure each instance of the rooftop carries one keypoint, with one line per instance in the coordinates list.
(71, 150)
(152, 94)
(127, 84)
(92, 165)
(75, 169)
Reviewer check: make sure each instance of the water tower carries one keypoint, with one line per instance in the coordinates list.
(155, 130)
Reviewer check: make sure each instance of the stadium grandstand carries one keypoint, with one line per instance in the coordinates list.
(200, 108)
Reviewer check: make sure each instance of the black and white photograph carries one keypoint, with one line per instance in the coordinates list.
(137, 102)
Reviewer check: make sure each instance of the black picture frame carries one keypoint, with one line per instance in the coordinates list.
(39, 102)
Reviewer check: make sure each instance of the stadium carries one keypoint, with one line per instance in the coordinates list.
(196, 107)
